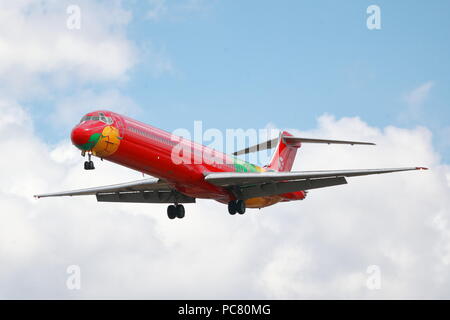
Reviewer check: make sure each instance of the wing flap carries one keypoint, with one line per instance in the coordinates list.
(146, 197)
(276, 188)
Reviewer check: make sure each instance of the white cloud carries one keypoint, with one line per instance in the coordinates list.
(319, 247)
(419, 94)
(176, 10)
(415, 100)
(158, 8)
(159, 61)
(36, 44)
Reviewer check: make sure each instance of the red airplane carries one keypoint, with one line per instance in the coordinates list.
(218, 176)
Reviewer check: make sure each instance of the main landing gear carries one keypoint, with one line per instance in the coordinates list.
(175, 211)
(236, 206)
(89, 165)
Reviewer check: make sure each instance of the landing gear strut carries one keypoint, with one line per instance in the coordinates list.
(236, 206)
(175, 211)
(89, 165)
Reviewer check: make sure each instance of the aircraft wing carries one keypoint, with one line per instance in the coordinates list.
(149, 190)
(248, 185)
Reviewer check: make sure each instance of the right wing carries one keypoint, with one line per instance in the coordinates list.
(149, 190)
(246, 185)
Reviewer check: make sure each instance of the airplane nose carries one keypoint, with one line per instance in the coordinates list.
(85, 138)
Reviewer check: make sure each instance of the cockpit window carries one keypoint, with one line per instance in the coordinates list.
(101, 117)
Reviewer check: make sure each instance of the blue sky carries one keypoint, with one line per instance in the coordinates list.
(246, 63)
(231, 64)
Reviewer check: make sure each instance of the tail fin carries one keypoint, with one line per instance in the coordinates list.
(284, 155)
(286, 149)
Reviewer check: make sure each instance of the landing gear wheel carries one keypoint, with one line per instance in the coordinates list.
(180, 211)
(89, 165)
(240, 206)
(232, 207)
(171, 212)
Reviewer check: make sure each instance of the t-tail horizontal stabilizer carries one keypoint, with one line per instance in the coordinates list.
(294, 141)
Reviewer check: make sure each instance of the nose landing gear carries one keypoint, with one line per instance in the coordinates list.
(89, 165)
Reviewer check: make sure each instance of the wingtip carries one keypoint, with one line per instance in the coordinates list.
(422, 168)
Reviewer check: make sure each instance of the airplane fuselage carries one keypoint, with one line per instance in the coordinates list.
(150, 150)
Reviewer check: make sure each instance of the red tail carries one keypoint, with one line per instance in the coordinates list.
(284, 155)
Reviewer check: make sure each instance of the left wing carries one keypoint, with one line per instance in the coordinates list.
(248, 185)
(146, 190)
